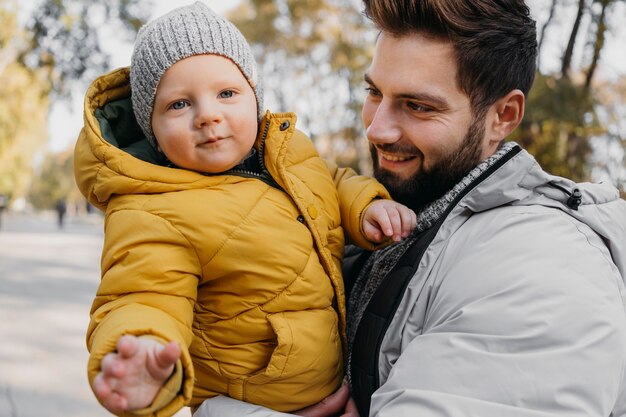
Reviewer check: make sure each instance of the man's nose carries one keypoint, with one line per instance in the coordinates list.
(383, 127)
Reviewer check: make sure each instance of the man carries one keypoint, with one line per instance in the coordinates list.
(508, 300)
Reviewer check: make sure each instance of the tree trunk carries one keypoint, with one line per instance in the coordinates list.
(567, 56)
(542, 34)
(597, 45)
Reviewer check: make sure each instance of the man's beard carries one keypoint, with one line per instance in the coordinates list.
(426, 186)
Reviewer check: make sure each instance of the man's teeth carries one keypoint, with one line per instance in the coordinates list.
(395, 158)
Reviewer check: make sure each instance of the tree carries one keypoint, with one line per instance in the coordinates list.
(58, 46)
(544, 27)
(601, 27)
(53, 182)
(608, 160)
(313, 55)
(564, 113)
(569, 50)
(64, 37)
(23, 108)
(556, 112)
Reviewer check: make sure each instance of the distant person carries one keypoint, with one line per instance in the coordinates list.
(61, 209)
(223, 234)
(3, 206)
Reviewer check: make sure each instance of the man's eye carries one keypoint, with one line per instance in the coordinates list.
(372, 91)
(418, 107)
(178, 105)
(226, 94)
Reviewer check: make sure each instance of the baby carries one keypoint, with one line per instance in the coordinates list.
(224, 230)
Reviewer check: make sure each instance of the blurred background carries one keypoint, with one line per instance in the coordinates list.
(313, 54)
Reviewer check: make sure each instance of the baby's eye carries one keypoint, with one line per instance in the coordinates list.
(178, 105)
(226, 94)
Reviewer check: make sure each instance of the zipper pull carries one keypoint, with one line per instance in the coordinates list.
(574, 200)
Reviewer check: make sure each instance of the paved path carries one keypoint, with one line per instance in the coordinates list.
(48, 277)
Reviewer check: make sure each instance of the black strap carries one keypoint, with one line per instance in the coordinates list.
(383, 305)
(354, 259)
(377, 317)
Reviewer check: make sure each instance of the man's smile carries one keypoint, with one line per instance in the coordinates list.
(394, 157)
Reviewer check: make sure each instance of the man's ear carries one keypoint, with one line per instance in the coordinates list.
(509, 111)
(501, 119)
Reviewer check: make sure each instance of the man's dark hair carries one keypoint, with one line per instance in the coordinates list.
(494, 40)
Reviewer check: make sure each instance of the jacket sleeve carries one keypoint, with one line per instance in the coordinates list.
(523, 319)
(356, 193)
(148, 288)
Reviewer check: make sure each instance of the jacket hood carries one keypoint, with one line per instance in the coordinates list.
(112, 155)
(522, 182)
(101, 166)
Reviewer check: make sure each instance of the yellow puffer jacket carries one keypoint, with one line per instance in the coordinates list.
(245, 276)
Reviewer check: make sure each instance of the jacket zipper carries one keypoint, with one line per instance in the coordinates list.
(264, 175)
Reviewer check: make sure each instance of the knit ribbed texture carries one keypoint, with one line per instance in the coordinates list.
(181, 33)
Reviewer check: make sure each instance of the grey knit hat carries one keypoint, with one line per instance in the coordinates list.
(179, 34)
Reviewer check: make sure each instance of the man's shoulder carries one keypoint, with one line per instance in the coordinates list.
(521, 231)
(527, 247)
(511, 218)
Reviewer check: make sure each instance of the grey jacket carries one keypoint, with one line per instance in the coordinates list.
(517, 308)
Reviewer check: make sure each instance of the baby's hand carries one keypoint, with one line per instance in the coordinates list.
(388, 218)
(131, 378)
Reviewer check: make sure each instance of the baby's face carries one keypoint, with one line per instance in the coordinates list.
(205, 115)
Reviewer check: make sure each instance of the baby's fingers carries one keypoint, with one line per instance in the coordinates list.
(111, 366)
(111, 400)
(100, 387)
(372, 232)
(385, 222)
(127, 346)
(115, 403)
(168, 355)
(395, 223)
(162, 364)
(409, 220)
